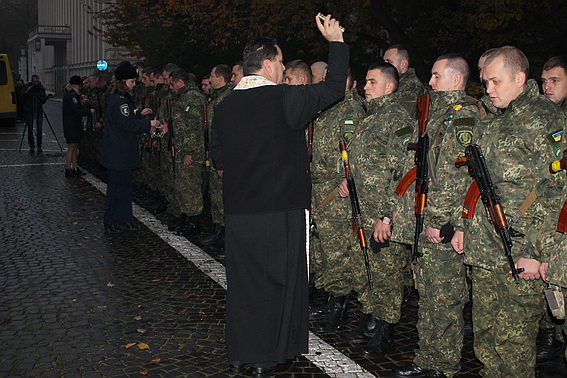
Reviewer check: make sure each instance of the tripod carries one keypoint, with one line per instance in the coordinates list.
(36, 104)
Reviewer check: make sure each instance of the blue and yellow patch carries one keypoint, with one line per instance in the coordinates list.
(347, 130)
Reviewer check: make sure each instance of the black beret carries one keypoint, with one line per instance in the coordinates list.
(76, 80)
(125, 70)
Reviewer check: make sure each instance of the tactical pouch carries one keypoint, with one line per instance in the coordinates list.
(556, 301)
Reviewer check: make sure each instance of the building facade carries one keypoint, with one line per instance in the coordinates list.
(67, 41)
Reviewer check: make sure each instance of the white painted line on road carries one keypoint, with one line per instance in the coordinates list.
(27, 165)
(323, 355)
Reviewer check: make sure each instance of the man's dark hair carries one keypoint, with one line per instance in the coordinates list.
(556, 61)
(169, 67)
(156, 72)
(140, 64)
(207, 76)
(457, 64)
(239, 64)
(402, 51)
(388, 70)
(301, 66)
(223, 70)
(179, 74)
(256, 51)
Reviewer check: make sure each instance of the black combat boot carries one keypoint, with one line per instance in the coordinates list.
(382, 342)
(323, 309)
(217, 230)
(547, 345)
(217, 243)
(364, 332)
(415, 371)
(337, 315)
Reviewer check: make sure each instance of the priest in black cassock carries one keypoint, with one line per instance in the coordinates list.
(267, 189)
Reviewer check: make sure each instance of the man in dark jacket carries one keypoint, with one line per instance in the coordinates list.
(266, 190)
(33, 99)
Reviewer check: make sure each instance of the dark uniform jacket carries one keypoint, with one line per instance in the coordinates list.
(73, 112)
(120, 147)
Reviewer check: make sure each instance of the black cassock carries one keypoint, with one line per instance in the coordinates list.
(266, 189)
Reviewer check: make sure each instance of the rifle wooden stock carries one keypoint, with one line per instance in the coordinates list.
(562, 221)
(358, 227)
(406, 181)
(471, 200)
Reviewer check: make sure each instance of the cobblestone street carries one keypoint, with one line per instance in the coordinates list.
(79, 302)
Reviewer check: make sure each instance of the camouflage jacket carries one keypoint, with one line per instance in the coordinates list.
(187, 116)
(216, 96)
(98, 100)
(518, 143)
(161, 94)
(335, 124)
(377, 155)
(409, 89)
(557, 257)
(139, 94)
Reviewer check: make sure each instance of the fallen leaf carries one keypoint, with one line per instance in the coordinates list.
(191, 295)
(75, 299)
(137, 317)
(144, 372)
(143, 346)
(130, 345)
(156, 361)
(110, 284)
(75, 222)
(103, 307)
(201, 313)
(142, 330)
(141, 306)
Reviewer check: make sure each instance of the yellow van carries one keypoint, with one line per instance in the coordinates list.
(8, 109)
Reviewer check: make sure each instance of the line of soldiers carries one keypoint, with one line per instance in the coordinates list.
(178, 169)
(519, 132)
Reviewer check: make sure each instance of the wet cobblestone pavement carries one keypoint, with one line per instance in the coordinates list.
(79, 302)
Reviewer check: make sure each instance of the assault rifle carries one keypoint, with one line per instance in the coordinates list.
(171, 136)
(483, 187)
(357, 225)
(310, 140)
(419, 173)
(207, 139)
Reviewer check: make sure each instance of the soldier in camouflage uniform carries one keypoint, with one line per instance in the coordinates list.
(554, 86)
(330, 245)
(440, 273)
(220, 88)
(518, 143)
(186, 106)
(377, 152)
(410, 87)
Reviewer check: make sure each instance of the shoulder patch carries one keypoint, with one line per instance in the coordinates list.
(347, 130)
(125, 110)
(75, 101)
(464, 130)
(404, 135)
(556, 136)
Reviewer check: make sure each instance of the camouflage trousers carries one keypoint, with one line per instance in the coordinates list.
(184, 193)
(443, 292)
(505, 323)
(330, 248)
(217, 204)
(387, 267)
